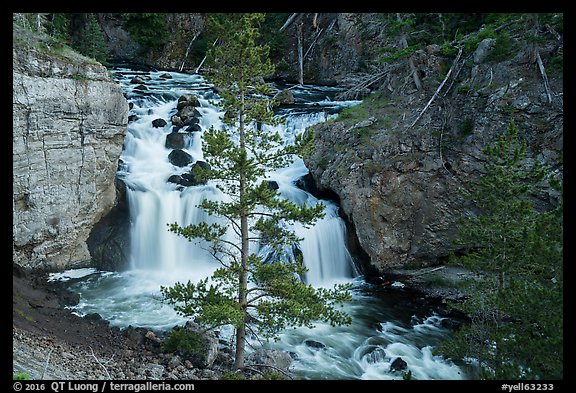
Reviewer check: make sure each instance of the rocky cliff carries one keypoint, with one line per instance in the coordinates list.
(69, 122)
(399, 161)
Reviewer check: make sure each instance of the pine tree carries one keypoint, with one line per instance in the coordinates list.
(255, 292)
(91, 42)
(516, 328)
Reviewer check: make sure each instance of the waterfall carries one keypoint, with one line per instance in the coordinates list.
(154, 202)
(380, 332)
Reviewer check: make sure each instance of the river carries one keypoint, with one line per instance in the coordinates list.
(385, 325)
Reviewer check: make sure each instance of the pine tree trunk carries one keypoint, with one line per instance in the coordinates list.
(243, 276)
(240, 344)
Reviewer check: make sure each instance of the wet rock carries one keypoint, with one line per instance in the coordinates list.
(262, 358)
(314, 344)
(209, 347)
(272, 185)
(398, 364)
(158, 123)
(285, 97)
(179, 158)
(175, 140)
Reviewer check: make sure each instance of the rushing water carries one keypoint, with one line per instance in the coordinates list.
(380, 332)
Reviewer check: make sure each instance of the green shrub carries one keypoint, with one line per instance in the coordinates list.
(467, 126)
(184, 342)
(20, 376)
(464, 88)
(502, 49)
(556, 64)
(232, 376)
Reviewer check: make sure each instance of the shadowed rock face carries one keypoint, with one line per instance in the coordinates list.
(401, 186)
(69, 122)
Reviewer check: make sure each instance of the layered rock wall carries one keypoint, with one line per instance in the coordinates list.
(69, 122)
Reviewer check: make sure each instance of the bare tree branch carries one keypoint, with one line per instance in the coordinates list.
(544, 76)
(269, 366)
(204, 59)
(289, 21)
(439, 88)
(313, 42)
(46, 365)
(100, 363)
(187, 51)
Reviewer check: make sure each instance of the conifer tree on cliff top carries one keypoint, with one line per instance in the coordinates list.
(250, 291)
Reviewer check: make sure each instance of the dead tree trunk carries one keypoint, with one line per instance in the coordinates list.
(544, 76)
(188, 51)
(315, 21)
(289, 21)
(404, 45)
(454, 65)
(204, 59)
(300, 56)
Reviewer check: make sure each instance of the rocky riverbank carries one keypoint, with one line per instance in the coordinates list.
(49, 342)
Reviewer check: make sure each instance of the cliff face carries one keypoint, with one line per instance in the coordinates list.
(399, 184)
(69, 122)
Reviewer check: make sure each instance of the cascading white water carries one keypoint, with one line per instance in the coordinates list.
(154, 202)
(363, 350)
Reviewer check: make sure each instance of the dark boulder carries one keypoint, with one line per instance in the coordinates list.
(187, 100)
(314, 344)
(179, 158)
(188, 113)
(285, 97)
(175, 140)
(137, 80)
(109, 239)
(398, 364)
(194, 128)
(272, 184)
(158, 123)
(176, 179)
(375, 355)
(176, 121)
